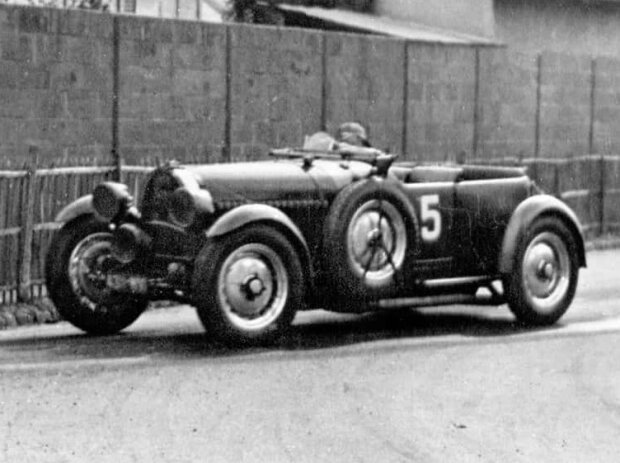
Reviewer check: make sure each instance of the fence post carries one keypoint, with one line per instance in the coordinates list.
(477, 109)
(539, 69)
(603, 193)
(24, 290)
(116, 155)
(324, 78)
(405, 134)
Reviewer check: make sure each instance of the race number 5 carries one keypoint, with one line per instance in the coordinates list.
(431, 218)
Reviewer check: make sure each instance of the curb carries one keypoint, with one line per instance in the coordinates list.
(42, 311)
(21, 314)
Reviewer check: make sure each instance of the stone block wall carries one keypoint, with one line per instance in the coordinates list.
(441, 100)
(55, 86)
(172, 90)
(606, 130)
(507, 104)
(365, 82)
(275, 89)
(565, 105)
(83, 84)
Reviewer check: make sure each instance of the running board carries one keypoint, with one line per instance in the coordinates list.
(458, 282)
(445, 299)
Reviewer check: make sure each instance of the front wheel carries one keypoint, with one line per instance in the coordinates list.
(543, 282)
(248, 285)
(75, 275)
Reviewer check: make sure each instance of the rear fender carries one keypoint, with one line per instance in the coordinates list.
(523, 217)
(252, 213)
(80, 206)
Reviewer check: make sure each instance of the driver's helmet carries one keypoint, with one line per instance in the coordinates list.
(352, 133)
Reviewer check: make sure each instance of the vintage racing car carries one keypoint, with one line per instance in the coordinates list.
(249, 244)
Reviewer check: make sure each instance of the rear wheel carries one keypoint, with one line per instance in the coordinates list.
(248, 285)
(76, 271)
(543, 282)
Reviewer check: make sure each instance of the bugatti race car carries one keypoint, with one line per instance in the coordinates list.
(249, 244)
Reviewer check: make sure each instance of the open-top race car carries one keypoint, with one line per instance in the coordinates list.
(249, 244)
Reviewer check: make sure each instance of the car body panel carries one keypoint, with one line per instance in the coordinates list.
(252, 213)
(434, 206)
(81, 206)
(468, 218)
(525, 214)
(485, 208)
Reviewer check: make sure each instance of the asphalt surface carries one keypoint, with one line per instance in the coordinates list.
(458, 383)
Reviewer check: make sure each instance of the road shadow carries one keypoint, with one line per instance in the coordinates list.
(313, 335)
(397, 325)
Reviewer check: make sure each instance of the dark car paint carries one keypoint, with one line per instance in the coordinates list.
(471, 206)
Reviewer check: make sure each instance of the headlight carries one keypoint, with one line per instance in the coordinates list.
(110, 199)
(185, 205)
(129, 243)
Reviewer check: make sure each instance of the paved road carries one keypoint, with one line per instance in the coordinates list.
(454, 384)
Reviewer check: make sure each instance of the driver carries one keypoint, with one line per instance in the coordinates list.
(352, 133)
(350, 138)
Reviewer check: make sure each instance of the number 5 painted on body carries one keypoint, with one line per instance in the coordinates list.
(431, 218)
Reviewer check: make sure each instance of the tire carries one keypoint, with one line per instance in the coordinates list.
(543, 282)
(248, 285)
(369, 235)
(78, 292)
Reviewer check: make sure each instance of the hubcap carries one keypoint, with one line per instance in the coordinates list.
(253, 286)
(377, 241)
(88, 263)
(546, 271)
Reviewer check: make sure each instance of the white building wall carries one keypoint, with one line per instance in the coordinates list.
(565, 26)
(466, 16)
(207, 10)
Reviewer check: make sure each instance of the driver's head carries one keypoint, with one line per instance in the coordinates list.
(352, 133)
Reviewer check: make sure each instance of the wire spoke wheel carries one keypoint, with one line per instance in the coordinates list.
(377, 240)
(76, 268)
(86, 270)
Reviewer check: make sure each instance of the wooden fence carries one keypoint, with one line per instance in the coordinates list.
(31, 198)
(590, 185)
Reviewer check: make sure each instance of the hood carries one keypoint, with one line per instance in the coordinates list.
(280, 183)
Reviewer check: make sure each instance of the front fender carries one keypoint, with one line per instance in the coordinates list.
(251, 213)
(80, 206)
(523, 217)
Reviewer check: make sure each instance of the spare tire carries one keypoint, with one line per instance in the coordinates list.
(369, 234)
